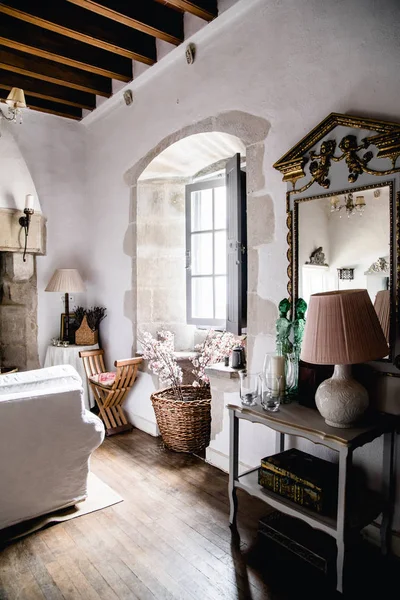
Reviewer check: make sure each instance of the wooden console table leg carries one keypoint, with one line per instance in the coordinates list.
(388, 490)
(233, 466)
(345, 459)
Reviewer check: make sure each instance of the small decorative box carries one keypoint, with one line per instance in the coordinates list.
(302, 478)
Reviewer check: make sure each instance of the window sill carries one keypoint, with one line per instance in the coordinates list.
(185, 355)
(180, 355)
(220, 371)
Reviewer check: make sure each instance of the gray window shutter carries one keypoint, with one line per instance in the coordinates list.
(236, 247)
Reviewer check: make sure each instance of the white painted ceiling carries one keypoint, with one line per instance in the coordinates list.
(192, 154)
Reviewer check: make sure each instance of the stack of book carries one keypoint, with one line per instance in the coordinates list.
(297, 538)
(305, 479)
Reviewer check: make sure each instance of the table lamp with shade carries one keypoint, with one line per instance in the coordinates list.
(67, 281)
(342, 329)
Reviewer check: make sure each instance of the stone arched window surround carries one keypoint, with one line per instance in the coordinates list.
(251, 130)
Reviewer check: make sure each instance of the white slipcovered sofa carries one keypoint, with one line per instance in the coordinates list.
(46, 439)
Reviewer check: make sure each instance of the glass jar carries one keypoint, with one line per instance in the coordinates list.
(277, 377)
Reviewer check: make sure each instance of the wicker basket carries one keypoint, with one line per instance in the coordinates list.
(184, 425)
(84, 336)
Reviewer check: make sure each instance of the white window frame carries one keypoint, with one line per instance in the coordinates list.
(190, 188)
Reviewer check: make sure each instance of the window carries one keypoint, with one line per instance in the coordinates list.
(216, 257)
(206, 252)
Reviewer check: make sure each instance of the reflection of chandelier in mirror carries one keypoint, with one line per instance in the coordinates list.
(352, 207)
(16, 102)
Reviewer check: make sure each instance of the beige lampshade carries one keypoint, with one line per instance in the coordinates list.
(16, 98)
(66, 280)
(342, 328)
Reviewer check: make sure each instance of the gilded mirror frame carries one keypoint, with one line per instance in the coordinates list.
(346, 154)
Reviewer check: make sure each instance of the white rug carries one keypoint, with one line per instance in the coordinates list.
(100, 495)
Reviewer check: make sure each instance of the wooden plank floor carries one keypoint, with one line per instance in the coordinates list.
(169, 539)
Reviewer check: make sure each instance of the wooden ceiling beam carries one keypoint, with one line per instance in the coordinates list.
(71, 21)
(145, 16)
(53, 108)
(205, 9)
(53, 46)
(57, 73)
(47, 91)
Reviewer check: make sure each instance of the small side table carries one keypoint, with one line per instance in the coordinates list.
(352, 513)
(59, 355)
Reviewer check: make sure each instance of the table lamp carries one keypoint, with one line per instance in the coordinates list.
(342, 329)
(67, 281)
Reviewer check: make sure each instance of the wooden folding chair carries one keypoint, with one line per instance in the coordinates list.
(110, 399)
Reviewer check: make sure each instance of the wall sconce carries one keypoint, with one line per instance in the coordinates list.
(16, 102)
(26, 220)
(349, 204)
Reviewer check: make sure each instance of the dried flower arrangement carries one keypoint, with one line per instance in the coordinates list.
(162, 361)
(215, 347)
(94, 315)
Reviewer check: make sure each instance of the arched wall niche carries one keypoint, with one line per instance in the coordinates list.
(252, 131)
(161, 253)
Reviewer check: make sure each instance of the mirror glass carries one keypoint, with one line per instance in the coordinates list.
(344, 243)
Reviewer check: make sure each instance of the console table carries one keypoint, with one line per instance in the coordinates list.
(60, 355)
(352, 514)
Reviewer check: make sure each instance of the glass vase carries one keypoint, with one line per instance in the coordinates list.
(249, 388)
(293, 358)
(279, 371)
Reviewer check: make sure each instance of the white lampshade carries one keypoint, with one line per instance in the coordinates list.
(66, 280)
(16, 98)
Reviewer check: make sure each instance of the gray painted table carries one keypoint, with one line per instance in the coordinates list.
(352, 514)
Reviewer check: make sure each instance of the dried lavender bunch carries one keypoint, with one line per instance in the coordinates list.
(94, 316)
(79, 312)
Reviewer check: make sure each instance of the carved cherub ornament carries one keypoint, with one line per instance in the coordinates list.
(355, 164)
(319, 170)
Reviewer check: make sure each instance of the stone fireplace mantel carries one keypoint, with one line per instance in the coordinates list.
(12, 234)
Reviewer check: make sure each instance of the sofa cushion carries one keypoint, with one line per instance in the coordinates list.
(39, 379)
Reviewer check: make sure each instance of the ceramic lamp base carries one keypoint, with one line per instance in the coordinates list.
(341, 400)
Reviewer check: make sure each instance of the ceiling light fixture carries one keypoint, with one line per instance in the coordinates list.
(16, 102)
